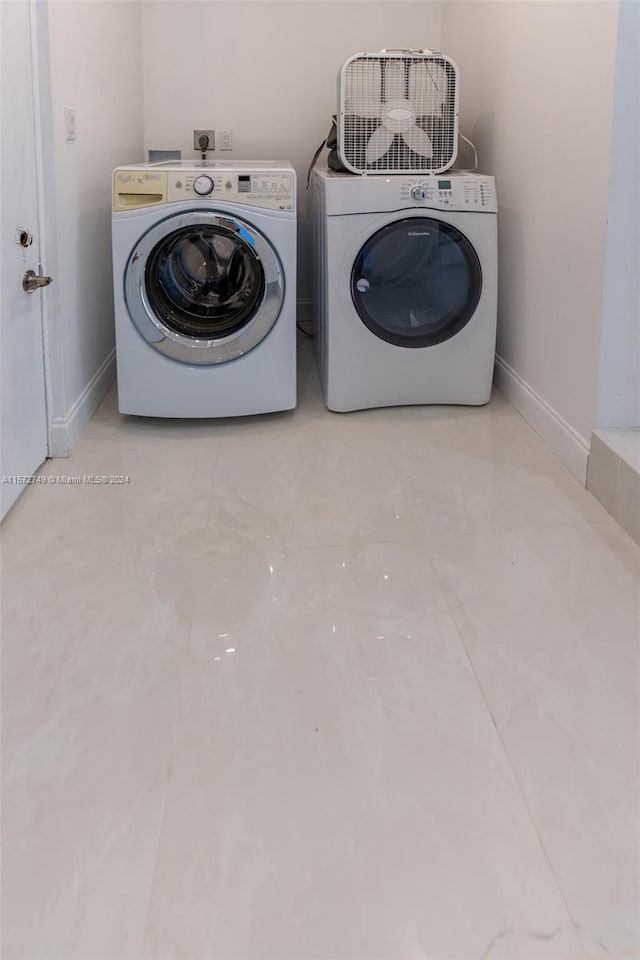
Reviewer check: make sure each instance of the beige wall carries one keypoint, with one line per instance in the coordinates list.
(266, 70)
(536, 96)
(619, 382)
(95, 67)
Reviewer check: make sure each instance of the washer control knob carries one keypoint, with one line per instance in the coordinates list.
(203, 186)
(418, 192)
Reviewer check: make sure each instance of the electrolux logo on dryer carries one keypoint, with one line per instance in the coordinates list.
(419, 233)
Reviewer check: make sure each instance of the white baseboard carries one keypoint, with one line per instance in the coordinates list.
(565, 442)
(65, 431)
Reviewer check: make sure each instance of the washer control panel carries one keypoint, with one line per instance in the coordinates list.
(456, 192)
(272, 191)
(137, 187)
(203, 185)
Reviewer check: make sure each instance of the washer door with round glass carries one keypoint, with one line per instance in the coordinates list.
(416, 282)
(203, 287)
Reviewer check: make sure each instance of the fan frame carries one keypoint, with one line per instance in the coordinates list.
(424, 169)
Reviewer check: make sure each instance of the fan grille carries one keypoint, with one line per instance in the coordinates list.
(421, 90)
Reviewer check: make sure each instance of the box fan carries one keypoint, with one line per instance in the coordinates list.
(398, 112)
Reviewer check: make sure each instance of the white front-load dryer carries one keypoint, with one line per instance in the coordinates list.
(204, 261)
(405, 288)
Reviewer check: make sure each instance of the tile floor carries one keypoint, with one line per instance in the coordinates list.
(320, 686)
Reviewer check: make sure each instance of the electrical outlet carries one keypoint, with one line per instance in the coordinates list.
(211, 136)
(226, 139)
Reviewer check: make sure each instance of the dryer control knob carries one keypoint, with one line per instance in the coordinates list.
(418, 192)
(203, 186)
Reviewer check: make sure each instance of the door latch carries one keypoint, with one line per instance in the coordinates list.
(32, 282)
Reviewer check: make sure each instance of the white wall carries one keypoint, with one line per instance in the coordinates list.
(619, 385)
(266, 70)
(95, 67)
(536, 96)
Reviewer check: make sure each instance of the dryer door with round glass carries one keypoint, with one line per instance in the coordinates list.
(204, 288)
(416, 282)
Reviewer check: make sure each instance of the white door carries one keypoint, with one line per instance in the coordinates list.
(23, 411)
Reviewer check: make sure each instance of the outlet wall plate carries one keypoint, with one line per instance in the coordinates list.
(225, 139)
(211, 134)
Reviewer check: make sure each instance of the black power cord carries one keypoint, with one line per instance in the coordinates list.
(204, 145)
(305, 333)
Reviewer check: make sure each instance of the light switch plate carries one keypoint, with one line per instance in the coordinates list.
(69, 123)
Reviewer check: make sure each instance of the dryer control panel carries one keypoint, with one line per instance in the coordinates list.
(452, 192)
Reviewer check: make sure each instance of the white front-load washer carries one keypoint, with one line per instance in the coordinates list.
(204, 262)
(405, 288)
